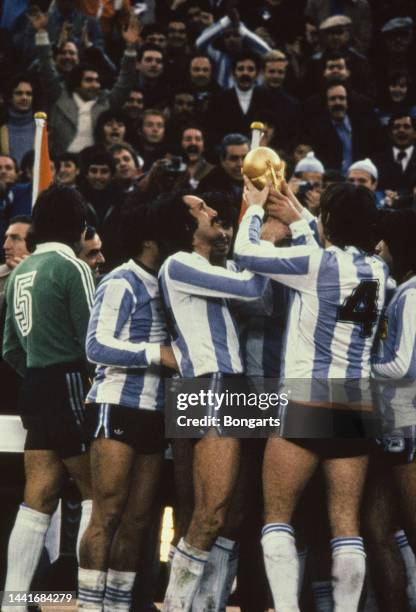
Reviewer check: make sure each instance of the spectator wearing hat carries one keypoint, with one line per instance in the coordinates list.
(307, 181)
(364, 172)
(358, 11)
(397, 162)
(396, 49)
(339, 137)
(335, 34)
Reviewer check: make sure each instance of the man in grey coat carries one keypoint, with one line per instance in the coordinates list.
(75, 108)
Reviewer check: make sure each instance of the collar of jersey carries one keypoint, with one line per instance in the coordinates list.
(138, 269)
(49, 247)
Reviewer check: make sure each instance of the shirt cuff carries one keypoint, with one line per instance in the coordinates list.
(130, 52)
(42, 38)
(153, 354)
(307, 215)
(300, 228)
(253, 210)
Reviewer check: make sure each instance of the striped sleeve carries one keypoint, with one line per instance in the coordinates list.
(110, 318)
(403, 364)
(292, 266)
(254, 42)
(209, 35)
(214, 281)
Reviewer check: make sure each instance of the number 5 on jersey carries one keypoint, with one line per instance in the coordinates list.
(23, 301)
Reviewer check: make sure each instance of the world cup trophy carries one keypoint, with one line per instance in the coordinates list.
(262, 165)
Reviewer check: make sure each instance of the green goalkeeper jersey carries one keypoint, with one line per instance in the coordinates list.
(49, 296)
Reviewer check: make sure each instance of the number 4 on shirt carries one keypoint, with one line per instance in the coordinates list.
(361, 307)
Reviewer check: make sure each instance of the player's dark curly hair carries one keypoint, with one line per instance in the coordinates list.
(176, 226)
(398, 230)
(59, 215)
(166, 220)
(350, 216)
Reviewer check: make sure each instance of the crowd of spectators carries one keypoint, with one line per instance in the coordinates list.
(154, 95)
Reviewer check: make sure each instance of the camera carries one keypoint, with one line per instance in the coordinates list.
(175, 164)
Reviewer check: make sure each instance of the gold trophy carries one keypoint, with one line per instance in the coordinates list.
(262, 165)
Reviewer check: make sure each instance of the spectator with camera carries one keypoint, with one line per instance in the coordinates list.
(306, 182)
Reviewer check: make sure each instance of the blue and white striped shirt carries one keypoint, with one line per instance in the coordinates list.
(203, 332)
(126, 330)
(396, 359)
(222, 61)
(334, 310)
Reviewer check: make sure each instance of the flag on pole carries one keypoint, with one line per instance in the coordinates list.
(42, 173)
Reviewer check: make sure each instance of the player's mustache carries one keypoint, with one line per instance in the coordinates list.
(192, 149)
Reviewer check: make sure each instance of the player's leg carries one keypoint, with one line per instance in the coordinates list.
(183, 458)
(345, 477)
(127, 542)
(44, 473)
(379, 512)
(405, 478)
(221, 568)
(215, 470)
(78, 468)
(287, 467)
(111, 466)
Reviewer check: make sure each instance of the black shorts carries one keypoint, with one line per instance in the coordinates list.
(327, 448)
(308, 421)
(51, 405)
(143, 430)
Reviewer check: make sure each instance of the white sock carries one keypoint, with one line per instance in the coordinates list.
(25, 548)
(230, 581)
(302, 562)
(410, 565)
(322, 596)
(86, 509)
(212, 586)
(91, 588)
(282, 565)
(171, 554)
(348, 572)
(118, 591)
(187, 568)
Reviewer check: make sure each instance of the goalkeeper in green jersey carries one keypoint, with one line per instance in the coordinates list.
(48, 298)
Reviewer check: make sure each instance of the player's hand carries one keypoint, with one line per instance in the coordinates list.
(280, 207)
(38, 19)
(167, 358)
(274, 231)
(252, 196)
(288, 191)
